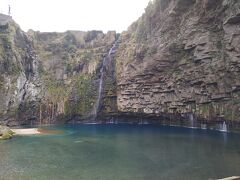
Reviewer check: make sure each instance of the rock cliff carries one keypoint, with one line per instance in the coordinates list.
(182, 58)
(179, 61)
(69, 65)
(49, 77)
(18, 70)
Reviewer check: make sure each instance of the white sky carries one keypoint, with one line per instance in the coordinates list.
(62, 15)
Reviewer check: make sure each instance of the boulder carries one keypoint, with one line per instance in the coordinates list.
(5, 133)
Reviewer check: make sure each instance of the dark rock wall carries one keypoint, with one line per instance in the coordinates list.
(182, 56)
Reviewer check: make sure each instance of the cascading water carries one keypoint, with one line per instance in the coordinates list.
(191, 118)
(203, 126)
(223, 127)
(100, 86)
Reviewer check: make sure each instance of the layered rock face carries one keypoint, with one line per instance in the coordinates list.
(49, 77)
(182, 57)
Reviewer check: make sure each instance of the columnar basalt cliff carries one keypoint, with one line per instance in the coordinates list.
(182, 57)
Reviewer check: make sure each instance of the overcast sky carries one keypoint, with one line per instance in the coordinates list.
(62, 15)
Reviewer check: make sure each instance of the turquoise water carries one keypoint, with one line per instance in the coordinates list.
(121, 152)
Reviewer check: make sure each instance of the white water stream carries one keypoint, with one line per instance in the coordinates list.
(100, 86)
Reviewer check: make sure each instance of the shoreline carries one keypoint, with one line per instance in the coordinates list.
(35, 131)
(30, 131)
(220, 126)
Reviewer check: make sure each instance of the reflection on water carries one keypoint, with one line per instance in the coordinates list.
(50, 131)
(121, 152)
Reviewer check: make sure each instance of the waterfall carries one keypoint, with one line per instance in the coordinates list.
(223, 127)
(191, 118)
(100, 85)
(203, 126)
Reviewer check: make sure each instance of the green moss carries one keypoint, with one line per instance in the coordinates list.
(6, 136)
(205, 108)
(56, 90)
(86, 96)
(236, 101)
(1, 81)
(6, 40)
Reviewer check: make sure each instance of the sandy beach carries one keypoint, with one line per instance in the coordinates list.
(32, 131)
(29, 131)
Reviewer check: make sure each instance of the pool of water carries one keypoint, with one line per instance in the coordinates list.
(121, 152)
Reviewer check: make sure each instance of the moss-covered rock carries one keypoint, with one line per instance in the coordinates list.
(5, 136)
(5, 133)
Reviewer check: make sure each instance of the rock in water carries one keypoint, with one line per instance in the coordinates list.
(5, 133)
